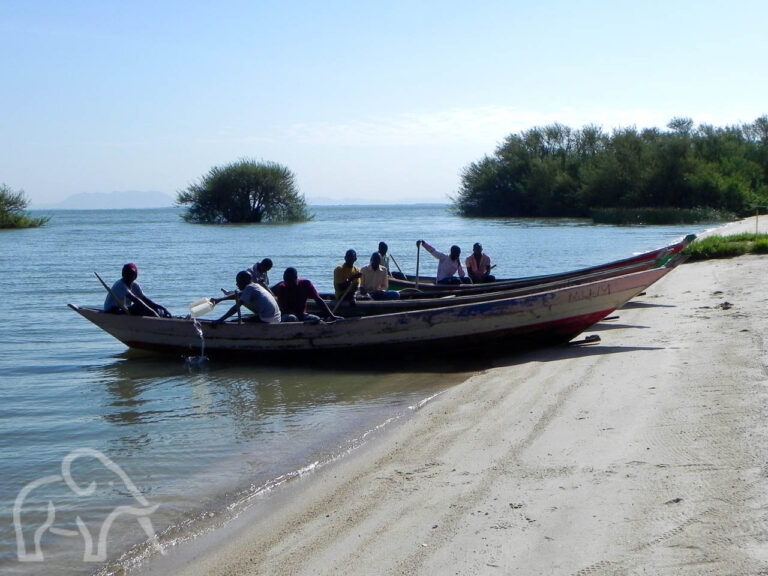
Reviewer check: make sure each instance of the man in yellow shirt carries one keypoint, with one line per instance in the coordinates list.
(346, 277)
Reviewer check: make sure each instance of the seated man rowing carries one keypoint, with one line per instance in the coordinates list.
(292, 295)
(260, 272)
(126, 297)
(448, 264)
(479, 265)
(374, 280)
(346, 278)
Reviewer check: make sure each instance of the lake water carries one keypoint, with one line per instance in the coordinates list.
(201, 441)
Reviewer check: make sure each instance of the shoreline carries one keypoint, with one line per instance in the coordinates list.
(643, 453)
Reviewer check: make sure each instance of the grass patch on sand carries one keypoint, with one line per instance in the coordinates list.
(727, 246)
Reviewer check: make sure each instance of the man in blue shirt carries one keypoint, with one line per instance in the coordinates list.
(126, 296)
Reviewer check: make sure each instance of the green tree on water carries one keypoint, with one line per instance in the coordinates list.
(13, 207)
(246, 191)
(558, 171)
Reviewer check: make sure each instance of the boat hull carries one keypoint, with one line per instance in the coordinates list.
(428, 299)
(546, 317)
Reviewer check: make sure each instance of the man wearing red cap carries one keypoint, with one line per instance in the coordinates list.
(126, 295)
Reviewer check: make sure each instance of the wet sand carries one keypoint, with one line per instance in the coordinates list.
(646, 453)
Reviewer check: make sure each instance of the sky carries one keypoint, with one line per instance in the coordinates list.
(366, 101)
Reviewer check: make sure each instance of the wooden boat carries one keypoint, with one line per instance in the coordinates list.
(546, 317)
(425, 300)
(646, 260)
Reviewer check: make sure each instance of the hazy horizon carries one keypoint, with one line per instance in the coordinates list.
(140, 200)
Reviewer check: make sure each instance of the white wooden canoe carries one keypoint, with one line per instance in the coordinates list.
(546, 317)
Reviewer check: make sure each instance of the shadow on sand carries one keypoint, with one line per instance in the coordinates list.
(631, 304)
(567, 352)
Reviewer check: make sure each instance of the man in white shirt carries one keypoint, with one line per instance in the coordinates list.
(260, 272)
(448, 264)
(374, 280)
(253, 296)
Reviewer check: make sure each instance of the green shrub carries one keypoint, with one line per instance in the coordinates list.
(12, 210)
(245, 192)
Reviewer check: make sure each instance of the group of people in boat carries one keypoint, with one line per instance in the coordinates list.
(478, 265)
(287, 300)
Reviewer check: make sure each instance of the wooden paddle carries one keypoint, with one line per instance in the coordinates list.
(343, 297)
(396, 264)
(122, 304)
(111, 293)
(418, 253)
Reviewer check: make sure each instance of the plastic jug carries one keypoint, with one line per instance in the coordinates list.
(201, 307)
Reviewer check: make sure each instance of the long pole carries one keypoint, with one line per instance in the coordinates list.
(418, 253)
(111, 293)
(343, 297)
(396, 264)
(123, 306)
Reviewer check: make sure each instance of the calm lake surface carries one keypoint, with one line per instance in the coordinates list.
(202, 441)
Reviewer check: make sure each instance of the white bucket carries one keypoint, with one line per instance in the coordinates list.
(201, 307)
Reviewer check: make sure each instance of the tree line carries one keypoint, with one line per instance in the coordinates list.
(557, 171)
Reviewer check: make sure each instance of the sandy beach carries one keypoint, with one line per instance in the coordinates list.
(646, 453)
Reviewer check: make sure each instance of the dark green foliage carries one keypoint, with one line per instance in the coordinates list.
(245, 192)
(12, 210)
(690, 172)
(658, 216)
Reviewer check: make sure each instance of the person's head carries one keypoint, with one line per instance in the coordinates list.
(243, 278)
(477, 249)
(350, 257)
(383, 248)
(375, 260)
(130, 273)
(265, 265)
(455, 252)
(290, 276)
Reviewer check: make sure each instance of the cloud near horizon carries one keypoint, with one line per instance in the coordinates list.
(462, 126)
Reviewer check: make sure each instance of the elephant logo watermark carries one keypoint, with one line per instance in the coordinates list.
(93, 551)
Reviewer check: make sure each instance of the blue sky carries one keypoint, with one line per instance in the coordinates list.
(373, 101)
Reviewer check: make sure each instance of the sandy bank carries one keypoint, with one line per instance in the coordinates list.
(644, 454)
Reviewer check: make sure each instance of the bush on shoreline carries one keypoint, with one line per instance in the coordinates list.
(13, 205)
(659, 216)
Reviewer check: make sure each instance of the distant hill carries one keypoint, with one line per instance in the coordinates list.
(349, 201)
(111, 201)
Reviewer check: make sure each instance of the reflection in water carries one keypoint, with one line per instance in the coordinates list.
(172, 417)
(127, 401)
(152, 391)
(205, 442)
